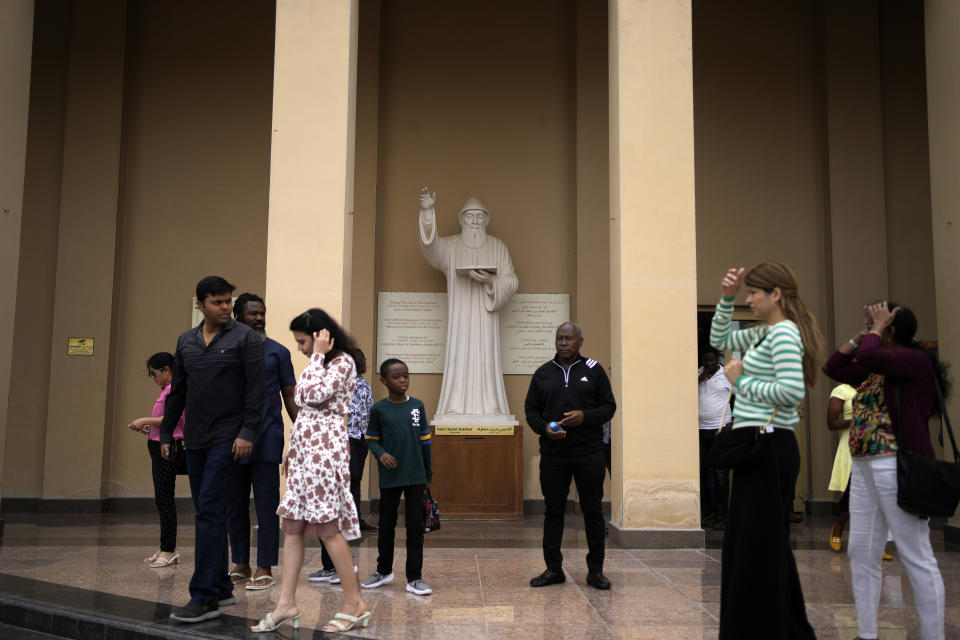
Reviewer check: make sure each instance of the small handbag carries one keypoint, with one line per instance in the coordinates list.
(178, 456)
(735, 448)
(927, 487)
(431, 513)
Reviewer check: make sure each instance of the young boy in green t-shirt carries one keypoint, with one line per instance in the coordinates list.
(399, 438)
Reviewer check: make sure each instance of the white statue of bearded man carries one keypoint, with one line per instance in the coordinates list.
(480, 281)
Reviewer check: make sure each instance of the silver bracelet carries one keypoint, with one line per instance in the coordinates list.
(853, 343)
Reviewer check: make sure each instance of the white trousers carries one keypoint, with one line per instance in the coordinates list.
(873, 509)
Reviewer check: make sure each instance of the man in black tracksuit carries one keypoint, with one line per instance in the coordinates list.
(574, 392)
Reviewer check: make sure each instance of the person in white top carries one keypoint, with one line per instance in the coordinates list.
(714, 395)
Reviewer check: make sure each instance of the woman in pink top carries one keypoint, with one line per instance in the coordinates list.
(164, 471)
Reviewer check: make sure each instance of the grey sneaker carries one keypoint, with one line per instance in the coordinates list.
(336, 579)
(324, 575)
(376, 579)
(419, 587)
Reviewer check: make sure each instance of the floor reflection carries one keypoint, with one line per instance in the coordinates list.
(478, 570)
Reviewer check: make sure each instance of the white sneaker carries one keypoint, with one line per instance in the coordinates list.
(377, 579)
(336, 579)
(419, 587)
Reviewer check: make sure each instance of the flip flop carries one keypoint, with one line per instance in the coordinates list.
(261, 583)
(243, 578)
(362, 621)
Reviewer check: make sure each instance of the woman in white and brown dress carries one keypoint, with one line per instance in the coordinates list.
(317, 501)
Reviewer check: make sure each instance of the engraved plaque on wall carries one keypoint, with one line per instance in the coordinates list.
(412, 326)
(528, 328)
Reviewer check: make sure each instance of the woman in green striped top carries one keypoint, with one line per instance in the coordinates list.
(760, 594)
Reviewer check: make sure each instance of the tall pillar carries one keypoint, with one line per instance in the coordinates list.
(855, 152)
(74, 456)
(309, 228)
(16, 42)
(653, 274)
(942, 32)
(857, 209)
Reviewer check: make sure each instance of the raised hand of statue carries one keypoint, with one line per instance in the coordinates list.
(427, 200)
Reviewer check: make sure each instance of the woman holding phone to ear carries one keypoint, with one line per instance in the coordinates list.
(760, 593)
(317, 501)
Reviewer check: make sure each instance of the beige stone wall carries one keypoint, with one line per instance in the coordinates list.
(494, 117)
(809, 151)
(16, 29)
(519, 120)
(196, 174)
(26, 424)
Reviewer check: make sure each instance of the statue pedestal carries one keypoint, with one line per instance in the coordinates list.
(478, 467)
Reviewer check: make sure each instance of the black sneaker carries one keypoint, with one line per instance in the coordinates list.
(226, 601)
(196, 612)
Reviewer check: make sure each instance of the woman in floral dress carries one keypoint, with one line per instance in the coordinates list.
(317, 501)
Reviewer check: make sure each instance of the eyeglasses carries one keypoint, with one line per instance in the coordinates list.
(154, 373)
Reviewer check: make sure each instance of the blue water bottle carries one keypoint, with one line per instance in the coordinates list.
(554, 426)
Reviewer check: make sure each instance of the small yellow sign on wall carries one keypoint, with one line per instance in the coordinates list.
(474, 430)
(79, 346)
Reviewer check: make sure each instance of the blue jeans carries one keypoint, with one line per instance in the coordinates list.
(210, 471)
(265, 478)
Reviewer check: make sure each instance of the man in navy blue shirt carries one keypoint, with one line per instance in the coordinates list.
(262, 468)
(218, 379)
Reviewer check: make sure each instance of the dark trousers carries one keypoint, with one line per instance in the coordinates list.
(555, 475)
(211, 472)
(164, 490)
(265, 479)
(358, 459)
(389, 503)
(714, 483)
(760, 594)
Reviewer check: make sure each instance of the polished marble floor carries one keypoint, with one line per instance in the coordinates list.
(479, 572)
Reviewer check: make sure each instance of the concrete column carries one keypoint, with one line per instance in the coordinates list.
(362, 293)
(309, 228)
(942, 31)
(856, 218)
(653, 274)
(16, 43)
(77, 412)
(855, 153)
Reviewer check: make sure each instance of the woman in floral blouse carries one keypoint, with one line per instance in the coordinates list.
(317, 501)
(895, 380)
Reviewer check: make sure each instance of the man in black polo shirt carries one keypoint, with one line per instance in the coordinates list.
(218, 377)
(574, 393)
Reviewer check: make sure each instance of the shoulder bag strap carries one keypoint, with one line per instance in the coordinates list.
(941, 409)
(944, 416)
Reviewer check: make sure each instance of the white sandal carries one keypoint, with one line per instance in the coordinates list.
(267, 624)
(160, 563)
(362, 621)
